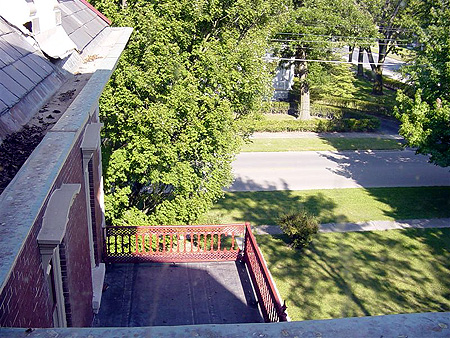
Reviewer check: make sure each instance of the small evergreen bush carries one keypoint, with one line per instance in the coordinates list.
(300, 227)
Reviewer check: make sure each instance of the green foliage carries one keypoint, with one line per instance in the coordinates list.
(328, 79)
(393, 19)
(300, 227)
(338, 123)
(275, 107)
(426, 127)
(426, 117)
(177, 107)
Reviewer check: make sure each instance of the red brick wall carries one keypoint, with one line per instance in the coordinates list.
(24, 299)
(24, 302)
(77, 283)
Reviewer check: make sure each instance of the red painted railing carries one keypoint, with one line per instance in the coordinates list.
(270, 304)
(134, 244)
(195, 243)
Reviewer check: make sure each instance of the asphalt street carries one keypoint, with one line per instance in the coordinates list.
(267, 171)
(391, 67)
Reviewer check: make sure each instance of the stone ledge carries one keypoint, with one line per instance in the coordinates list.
(420, 325)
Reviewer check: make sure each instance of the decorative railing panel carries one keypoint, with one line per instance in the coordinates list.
(169, 244)
(268, 299)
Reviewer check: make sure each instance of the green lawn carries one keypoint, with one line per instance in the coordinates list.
(326, 143)
(362, 274)
(333, 205)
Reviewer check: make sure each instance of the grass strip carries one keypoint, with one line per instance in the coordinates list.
(333, 205)
(320, 144)
(362, 274)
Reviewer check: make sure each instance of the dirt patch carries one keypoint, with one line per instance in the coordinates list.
(15, 150)
(17, 147)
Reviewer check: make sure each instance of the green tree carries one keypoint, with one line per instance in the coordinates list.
(177, 107)
(426, 117)
(316, 28)
(393, 18)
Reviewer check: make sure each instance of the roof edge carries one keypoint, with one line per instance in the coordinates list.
(96, 11)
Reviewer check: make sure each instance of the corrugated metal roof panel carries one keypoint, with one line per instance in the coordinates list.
(3, 107)
(7, 97)
(12, 85)
(42, 61)
(4, 28)
(81, 38)
(19, 43)
(85, 15)
(70, 24)
(27, 71)
(72, 6)
(7, 53)
(95, 26)
(42, 72)
(2, 64)
(19, 77)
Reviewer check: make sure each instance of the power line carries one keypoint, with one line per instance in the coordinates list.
(340, 42)
(395, 29)
(341, 36)
(322, 61)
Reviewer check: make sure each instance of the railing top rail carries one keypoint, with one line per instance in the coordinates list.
(202, 226)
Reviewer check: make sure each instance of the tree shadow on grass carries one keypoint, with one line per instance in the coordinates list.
(397, 179)
(265, 207)
(359, 274)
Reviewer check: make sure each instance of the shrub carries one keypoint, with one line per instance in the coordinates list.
(341, 124)
(300, 227)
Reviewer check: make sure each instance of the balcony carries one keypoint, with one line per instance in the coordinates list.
(186, 275)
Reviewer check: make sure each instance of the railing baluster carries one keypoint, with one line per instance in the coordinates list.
(119, 242)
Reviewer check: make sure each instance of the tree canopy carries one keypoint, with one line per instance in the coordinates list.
(176, 109)
(314, 30)
(426, 116)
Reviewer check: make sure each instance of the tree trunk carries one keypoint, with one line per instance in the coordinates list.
(350, 53)
(371, 60)
(378, 85)
(360, 62)
(301, 72)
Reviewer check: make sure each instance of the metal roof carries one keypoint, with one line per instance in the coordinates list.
(28, 77)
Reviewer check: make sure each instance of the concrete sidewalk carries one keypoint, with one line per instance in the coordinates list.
(308, 134)
(364, 226)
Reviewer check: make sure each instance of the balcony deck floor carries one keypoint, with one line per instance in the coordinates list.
(148, 294)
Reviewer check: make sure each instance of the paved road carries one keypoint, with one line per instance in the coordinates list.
(391, 67)
(327, 170)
